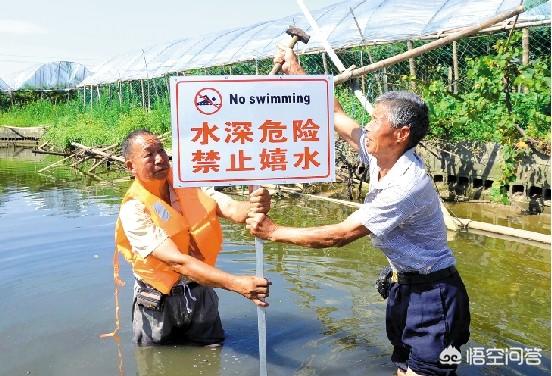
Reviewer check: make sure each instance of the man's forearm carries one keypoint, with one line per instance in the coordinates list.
(191, 267)
(204, 274)
(347, 128)
(314, 237)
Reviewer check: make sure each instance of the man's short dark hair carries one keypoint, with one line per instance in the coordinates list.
(129, 139)
(406, 109)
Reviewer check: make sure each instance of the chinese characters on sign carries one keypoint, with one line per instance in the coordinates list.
(252, 130)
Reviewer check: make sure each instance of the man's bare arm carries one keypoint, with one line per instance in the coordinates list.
(253, 288)
(347, 128)
(336, 235)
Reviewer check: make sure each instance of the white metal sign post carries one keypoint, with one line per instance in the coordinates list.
(252, 130)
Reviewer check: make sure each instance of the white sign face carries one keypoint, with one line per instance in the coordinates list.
(252, 130)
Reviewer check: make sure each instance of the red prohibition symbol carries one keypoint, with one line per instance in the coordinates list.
(208, 101)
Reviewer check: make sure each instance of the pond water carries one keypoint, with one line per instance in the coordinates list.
(325, 318)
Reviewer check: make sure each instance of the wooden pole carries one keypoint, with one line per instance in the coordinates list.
(455, 67)
(449, 76)
(91, 96)
(362, 78)
(256, 66)
(149, 94)
(324, 63)
(347, 75)
(98, 91)
(525, 49)
(143, 94)
(120, 93)
(412, 66)
(385, 87)
(96, 151)
(156, 91)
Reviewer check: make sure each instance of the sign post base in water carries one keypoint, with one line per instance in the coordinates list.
(261, 314)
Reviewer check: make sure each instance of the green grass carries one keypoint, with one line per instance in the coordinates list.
(106, 123)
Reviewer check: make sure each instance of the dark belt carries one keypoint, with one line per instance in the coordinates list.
(176, 290)
(179, 289)
(414, 278)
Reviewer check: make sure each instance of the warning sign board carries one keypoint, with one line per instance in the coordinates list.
(252, 130)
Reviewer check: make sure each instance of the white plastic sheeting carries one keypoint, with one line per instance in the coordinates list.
(57, 75)
(4, 86)
(379, 21)
(538, 13)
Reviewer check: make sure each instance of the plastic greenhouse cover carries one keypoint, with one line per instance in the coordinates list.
(379, 20)
(57, 75)
(4, 86)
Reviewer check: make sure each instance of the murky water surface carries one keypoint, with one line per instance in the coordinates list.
(325, 318)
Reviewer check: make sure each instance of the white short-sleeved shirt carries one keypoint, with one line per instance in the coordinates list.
(143, 235)
(403, 213)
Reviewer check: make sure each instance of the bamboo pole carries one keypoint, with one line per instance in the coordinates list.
(455, 67)
(120, 93)
(156, 90)
(143, 94)
(96, 151)
(525, 50)
(56, 163)
(40, 151)
(324, 63)
(411, 66)
(149, 94)
(97, 164)
(347, 75)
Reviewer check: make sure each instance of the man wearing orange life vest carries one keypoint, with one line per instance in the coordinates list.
(171, 237)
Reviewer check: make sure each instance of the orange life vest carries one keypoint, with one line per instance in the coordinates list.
(197, 226)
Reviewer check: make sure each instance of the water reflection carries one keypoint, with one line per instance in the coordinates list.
(168, 361)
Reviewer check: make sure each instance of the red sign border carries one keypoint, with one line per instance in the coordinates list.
(275, 79)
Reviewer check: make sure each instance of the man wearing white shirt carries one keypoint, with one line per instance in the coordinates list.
(428, 306)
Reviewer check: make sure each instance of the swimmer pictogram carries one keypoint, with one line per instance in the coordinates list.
(208, 101)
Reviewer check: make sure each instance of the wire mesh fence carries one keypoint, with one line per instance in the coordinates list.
(448, 64)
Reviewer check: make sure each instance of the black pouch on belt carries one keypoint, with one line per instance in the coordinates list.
(383, 283)
(149, 298)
